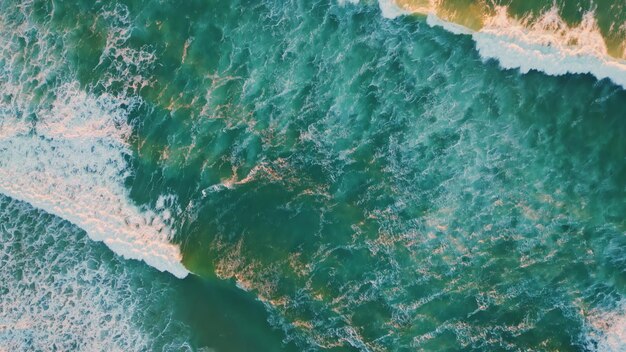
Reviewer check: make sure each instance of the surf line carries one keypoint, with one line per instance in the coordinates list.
(542, 46)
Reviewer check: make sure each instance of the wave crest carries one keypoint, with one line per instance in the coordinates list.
(546, 43)
(65, 150)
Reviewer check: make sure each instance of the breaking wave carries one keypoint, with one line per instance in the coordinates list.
(544, 43)
(65, 150)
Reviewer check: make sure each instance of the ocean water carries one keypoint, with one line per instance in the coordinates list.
(312, 175)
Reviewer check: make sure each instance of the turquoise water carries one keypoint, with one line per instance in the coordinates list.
(332, 179)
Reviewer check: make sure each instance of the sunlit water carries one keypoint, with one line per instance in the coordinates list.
(304, 175)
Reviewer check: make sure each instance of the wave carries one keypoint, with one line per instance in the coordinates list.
(64, 150)
(606, 329)
(546, 43)
(62, 291)
(73, 165)
(550, 45)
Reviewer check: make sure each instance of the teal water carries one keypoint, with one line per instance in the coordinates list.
(335, 180)
(63, 292)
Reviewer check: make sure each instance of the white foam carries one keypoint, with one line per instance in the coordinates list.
(607, 330)
(545, 44)
(71, 160)
(433, 21)
(74, 167)
(56, 299)
(59, 294)
(390, 9)
(549, 45)
(343, 2)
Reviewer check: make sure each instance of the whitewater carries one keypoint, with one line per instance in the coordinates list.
(546, 44)
(69, 153)
(72, 163)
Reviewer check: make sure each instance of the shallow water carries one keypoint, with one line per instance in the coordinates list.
(334, 180)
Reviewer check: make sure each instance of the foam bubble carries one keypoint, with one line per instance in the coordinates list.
(74, 167)
(388, 8)
(433, 21)
(343, 2)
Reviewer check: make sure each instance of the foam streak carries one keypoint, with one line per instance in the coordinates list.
(546, 44)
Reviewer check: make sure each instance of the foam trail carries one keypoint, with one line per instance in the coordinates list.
(70, 158)
(73, 167)
(60, 291)
(544, 46)
(547, 44)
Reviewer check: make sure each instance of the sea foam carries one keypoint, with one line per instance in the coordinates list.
(60, 291)
(73, 165)
(389, 9)
(546, 43)
(606, 329)
(65, 150)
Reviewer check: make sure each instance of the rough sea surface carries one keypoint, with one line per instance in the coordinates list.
(314, 175)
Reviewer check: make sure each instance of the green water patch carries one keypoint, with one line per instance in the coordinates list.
(50, 267)
(81, 296)
(372, 182)
(377, 184)
(224, 318)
